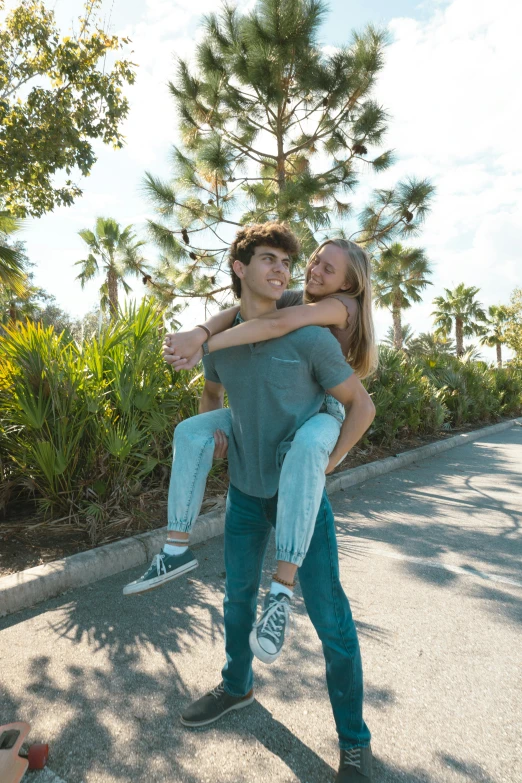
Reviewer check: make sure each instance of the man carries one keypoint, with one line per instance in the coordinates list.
(273, 388)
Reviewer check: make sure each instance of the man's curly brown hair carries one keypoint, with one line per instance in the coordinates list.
(273, 234)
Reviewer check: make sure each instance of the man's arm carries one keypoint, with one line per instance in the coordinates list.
(212, 397)
(360, 412)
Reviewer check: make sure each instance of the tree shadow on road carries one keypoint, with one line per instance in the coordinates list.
(423, 512)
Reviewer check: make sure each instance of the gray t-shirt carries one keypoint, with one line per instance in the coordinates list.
(273, 387)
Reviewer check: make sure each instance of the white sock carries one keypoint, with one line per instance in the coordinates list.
(174, 549)
(277, 587)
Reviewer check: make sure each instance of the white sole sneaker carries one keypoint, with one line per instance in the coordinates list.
(258, 651)
(135, 588)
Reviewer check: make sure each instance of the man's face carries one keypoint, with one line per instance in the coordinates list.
(268, 273)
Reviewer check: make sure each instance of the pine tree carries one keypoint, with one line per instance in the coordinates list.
(272, 128)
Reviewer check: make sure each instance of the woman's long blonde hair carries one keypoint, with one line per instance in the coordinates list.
(362, 352)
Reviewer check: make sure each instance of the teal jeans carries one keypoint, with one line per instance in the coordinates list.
(248, 524)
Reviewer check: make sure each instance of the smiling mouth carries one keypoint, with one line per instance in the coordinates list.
(276, 282)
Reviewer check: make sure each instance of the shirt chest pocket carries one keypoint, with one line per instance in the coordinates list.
(283, 373)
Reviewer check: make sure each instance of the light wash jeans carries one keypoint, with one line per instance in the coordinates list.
(248, 523)
(300, 486)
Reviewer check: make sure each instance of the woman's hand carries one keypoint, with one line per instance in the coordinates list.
(183, 344)
(178, 363)
(221, 447)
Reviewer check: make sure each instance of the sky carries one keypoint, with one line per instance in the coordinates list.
(450, 85)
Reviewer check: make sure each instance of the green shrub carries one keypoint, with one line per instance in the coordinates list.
(88, 428)
(406, 401)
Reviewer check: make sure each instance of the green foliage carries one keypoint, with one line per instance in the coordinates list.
(429, 345)
(259, 116)
(514, 324)
(421, 394)
(33, 303)
(57, 95)
(12, 259)
(88, 427)
(406, 336)
(406, 401)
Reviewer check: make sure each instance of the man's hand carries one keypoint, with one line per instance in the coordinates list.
(183, 345)
(332, 464)
(221, 447)
(360, 412)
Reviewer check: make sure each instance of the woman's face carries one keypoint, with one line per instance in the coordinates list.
(326, 273)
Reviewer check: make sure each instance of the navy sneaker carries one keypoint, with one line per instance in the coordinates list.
(162, 569)
(268, 634)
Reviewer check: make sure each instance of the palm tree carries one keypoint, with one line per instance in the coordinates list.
(429, 344)
(12, 271)
(406, 336)
(115, 253)
(459, 308)
(400, 274)
(496, 323)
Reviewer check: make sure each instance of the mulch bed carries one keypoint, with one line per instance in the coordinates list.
(27, 540)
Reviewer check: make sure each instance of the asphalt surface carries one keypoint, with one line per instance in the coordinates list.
(431, 561)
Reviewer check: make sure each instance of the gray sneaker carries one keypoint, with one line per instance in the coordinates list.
(213, 705)
(268, 634)
(162, 569)
(355, 766)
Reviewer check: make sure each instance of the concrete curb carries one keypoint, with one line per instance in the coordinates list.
(27, 588)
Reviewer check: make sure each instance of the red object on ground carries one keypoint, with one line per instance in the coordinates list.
(38, 755)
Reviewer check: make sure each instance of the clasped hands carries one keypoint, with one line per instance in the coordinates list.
(182, 350)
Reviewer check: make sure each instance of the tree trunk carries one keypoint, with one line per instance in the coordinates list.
(281, 173)
(459, 337)
(499, 355)
(12, 312)
(112, 285)
(397, 327)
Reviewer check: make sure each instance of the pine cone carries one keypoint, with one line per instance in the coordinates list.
(146, 279)
(408, 216)
(193, 256)
(210, 201)
(325, 101)
(360, 149)
(185, 236)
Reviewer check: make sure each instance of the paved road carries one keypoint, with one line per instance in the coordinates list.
(431, 561)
